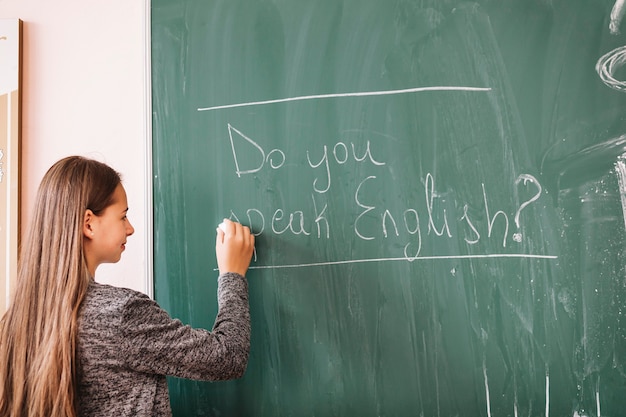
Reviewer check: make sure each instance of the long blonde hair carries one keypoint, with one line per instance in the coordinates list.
(38, 332)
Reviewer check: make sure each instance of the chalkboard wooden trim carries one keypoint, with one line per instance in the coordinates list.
(147, 151)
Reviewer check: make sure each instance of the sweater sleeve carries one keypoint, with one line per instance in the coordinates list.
(153, 342)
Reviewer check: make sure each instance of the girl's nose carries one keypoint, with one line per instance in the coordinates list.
(129, 229)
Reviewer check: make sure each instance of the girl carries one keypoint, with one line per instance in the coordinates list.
(72, 347)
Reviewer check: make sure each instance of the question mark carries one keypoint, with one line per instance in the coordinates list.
(525, 178)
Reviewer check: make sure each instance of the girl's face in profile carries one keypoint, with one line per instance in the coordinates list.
(106, 234)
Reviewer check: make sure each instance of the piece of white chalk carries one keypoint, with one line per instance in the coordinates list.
(222, 226)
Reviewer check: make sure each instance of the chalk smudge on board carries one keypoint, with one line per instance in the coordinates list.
(620, 168)
(609, 64)
(547, 393)
(486, 388)
(617, 14)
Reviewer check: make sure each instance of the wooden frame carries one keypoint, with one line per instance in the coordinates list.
(10, 132)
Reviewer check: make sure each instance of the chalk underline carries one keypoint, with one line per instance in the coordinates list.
(340, 95)
(419, 258)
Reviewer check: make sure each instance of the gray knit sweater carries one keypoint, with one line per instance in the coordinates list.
(127, 345)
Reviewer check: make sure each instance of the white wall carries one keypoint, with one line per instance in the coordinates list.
(85, 91)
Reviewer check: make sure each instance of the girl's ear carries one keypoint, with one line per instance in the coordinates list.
(87, 224)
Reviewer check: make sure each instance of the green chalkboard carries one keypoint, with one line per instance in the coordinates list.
(438, 190)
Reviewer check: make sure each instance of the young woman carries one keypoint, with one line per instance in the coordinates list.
(72, 347)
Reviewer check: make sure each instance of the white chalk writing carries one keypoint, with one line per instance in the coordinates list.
(370, 220)
(362, 165)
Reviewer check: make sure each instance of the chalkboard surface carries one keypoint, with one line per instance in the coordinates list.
(438, 190)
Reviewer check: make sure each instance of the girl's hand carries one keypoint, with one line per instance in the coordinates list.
(234, 245)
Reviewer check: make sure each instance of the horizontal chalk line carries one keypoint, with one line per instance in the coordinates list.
(419, 258)
(340, 95)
